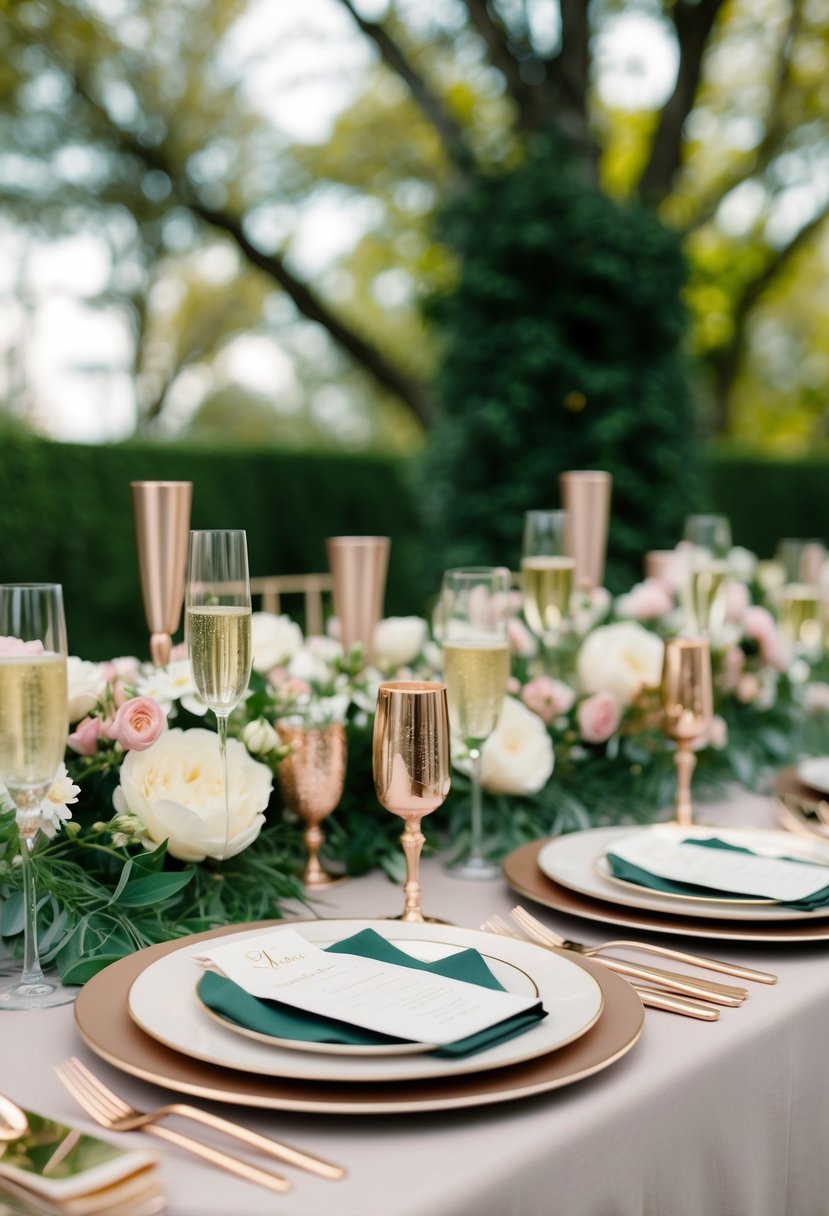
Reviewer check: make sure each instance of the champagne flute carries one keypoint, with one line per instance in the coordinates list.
(33, 728)
(708, 540)
(799, 603)
(547, 572)
(687, 702)
(217, 628)
(410, 758)
(474, 607)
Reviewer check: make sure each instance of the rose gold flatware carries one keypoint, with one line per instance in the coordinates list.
(682, 956)
(688, 985)
(125, 1118)
(653, 997)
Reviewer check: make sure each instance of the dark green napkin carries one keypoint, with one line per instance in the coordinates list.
(643, 878)
(226, 998)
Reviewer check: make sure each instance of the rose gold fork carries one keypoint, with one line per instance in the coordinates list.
(653, 997)
(113, 1112)
(695, 960)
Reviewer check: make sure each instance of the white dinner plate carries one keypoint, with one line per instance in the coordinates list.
(815, 772)
(575, 861)
(163, 1002)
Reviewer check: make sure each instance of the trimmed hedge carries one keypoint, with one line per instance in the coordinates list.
(66, 516)
(768, 499)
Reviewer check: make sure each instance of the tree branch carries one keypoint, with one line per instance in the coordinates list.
(450, 133)
(500, 55)
(775, 131)
(311, 306)
(693, 23)
(726, 360)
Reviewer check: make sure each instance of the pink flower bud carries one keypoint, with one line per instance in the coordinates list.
(599, 717)
(547, 697)
(84, 738)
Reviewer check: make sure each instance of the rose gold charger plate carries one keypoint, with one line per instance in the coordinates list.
(104, 1024)
(524, 876)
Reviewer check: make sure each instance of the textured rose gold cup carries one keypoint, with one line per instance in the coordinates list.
(311, 779)
(358, 566)
(585, 496)
(161, 510)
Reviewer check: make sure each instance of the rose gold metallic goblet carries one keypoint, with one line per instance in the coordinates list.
(687, 702)
(311, 779)
(585, 496)
(410, 755)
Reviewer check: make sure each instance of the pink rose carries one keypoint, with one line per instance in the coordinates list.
(11, 646)
(84, 738)
(138, 723)
(647, 601)
(599, 717)
(758, 624)
(547, 697)
(736, 600)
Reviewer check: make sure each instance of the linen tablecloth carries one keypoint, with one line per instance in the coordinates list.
(722, 1119)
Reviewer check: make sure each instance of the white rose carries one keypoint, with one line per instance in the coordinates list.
(86, 682)
(622, 659)
(742, 563)
(398, 640)
(314, 662)
(517, 758)
(273, 639)
(259, 737)
(175, 789)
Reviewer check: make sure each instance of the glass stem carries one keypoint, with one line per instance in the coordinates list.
(28, 823)
(221, 727)
(476, 817)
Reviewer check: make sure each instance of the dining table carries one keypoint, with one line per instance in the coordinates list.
(724, 1118)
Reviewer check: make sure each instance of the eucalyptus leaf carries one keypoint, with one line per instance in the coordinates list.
(153, 889)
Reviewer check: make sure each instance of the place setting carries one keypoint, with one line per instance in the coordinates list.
(682, 877)
(377, 1016)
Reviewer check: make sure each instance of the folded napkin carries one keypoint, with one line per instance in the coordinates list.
(629, 872)
(231, 1001)
(62, 1171)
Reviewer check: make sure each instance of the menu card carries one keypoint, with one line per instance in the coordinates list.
(728, 869)
(281, 965)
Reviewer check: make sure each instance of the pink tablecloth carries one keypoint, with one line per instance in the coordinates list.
(723, 1119)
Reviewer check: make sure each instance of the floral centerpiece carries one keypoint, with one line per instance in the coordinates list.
(133, 843)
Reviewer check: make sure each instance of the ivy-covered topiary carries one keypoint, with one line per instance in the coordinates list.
(563, 350)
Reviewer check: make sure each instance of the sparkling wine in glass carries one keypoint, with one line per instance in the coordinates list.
(33, 729)
(687, 703)
(474, 608)
(707, 542)
(217, 629)
(411, 763)
(547, 572)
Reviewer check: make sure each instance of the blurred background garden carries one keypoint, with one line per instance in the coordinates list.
(393, 266)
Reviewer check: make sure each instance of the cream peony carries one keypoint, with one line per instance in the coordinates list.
(175, 789)
(517, 758)
(398, 640)
(86, 683)
(622, 659)
(273, 639)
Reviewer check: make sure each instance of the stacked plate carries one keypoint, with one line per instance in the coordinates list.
(571, 874)
(803, 796)
(143, 1015)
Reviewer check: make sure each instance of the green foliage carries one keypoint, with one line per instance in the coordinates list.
(768, 499)
(562, 352)
(66, 516)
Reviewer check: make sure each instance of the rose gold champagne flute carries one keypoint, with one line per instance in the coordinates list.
(311, 779)
(410, 755)
(688, 705)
